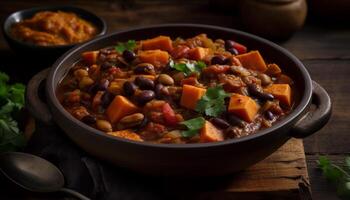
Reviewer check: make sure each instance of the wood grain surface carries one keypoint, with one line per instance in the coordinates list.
(324, 48)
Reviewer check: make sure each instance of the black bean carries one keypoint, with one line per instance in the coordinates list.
(144, 83)
(145, 96)
(106, 65)
(128, 55)
(254, 91)
(106, 99)
(266, 96)
(220, 123)
(104, 84)
(269, 115)
(94, 88)
(89, 119)
(233, 51)
(143, 123)
(144, 69)
(229, 44)
(129, 88)
(235, 121)
(158, 90)
(220, 60)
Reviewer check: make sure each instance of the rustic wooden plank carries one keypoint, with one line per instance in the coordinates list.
(334, 138)
(281, 175)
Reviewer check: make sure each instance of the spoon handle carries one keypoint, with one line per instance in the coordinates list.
(74, 193)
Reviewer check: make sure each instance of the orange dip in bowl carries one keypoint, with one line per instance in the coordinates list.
(49, 28)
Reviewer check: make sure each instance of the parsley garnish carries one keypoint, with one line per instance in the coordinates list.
(122, 46)
(11, 102)
(193, 126)
(188, 67)
(213, 102)
(337, 175)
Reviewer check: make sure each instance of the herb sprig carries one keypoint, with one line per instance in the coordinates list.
(188, 67)
(212, 102)
(11, 102)
(337, 175)
(193, 126)
(122, 46)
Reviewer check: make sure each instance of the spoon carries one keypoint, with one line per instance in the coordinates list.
(34, 173)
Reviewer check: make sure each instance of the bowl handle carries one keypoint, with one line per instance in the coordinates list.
(34, 103)
(317, 116)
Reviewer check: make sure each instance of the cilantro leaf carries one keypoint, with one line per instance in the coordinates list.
(193, 126)
(11, 101)
(188, 67)
(129, 45)
(212, 102)
(336, 175)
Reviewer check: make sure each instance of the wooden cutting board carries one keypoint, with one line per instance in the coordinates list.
(282, 175)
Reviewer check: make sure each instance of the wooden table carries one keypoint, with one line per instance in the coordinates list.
(325, 50)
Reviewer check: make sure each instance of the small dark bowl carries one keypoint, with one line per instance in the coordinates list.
(46, 54)
(200, 159)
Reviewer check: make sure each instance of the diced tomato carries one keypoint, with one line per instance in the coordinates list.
(240, 48)
(169, 115)
(180, 51)
(216, 69)
(189, 81)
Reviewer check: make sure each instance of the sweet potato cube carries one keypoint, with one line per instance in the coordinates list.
(282, 92)
(209, 133)
(126, 134)
(161, 42)
(191, 95)
(90, 57)
(198, 53)
(252, 60)
(243, 106)
(156, 57)
(119, 108)
(273, 70)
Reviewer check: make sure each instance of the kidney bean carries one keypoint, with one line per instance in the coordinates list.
(107, 98)
(219, 60)
(144, 68)
(233, 51)
(220, 123)
(128, 55)
(145, 96)
(229, 44)
(103, 84)
(129, 88)
(106, 65)
(235, 121)
(158, 90)
(144, 83)
(89, 119)
(256, 92)
(269, 115)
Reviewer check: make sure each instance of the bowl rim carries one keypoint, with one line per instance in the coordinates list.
(76, 10)
(296, 112)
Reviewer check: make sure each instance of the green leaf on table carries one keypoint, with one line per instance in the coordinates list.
(11, 102)
(212, 102)
(336, 175)
(122, 46)
(193, 126)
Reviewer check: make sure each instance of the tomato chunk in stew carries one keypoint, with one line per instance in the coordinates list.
(176, 90)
